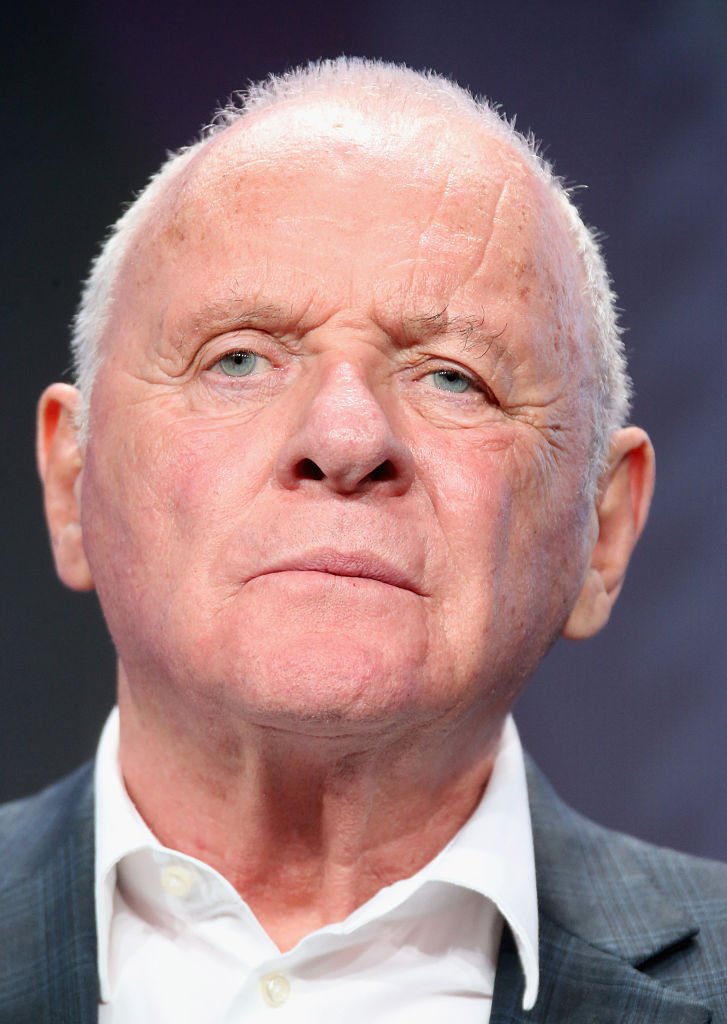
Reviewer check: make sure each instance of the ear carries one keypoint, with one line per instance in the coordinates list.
(621, 509)
(60, 464)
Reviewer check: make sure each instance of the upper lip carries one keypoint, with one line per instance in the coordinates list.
(364, 564)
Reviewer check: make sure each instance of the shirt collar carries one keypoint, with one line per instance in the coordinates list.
(492, 854)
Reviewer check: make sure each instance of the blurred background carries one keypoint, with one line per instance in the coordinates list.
(630, 99)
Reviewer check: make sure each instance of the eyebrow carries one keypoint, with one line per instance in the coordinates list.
(471, 330)
(232, 314)
(238, 313)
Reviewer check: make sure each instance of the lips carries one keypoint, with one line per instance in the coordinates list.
(356, 564)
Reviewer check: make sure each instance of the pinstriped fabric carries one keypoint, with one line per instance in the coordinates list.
(628, 932)
(583, 985)
(48, 971)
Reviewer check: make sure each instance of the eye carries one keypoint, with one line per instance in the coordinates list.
(451, 380)
(240, 364)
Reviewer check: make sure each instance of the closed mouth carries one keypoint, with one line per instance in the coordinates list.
(355, 565)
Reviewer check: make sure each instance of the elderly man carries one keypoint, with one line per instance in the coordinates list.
(346, 457)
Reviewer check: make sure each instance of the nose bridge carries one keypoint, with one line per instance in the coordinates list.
(345, 399)
(344, 437)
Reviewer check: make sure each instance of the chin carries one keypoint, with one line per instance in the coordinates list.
(327, 688)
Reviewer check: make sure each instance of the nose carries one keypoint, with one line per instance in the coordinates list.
(344, 441)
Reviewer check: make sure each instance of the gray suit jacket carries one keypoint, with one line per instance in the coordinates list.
(628, 932)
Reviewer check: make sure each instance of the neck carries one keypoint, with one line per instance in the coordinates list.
(306, 827)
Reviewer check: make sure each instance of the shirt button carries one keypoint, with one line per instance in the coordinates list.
(275, 989)
(177, 880)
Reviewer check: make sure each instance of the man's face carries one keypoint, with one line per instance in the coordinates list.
(339, 435)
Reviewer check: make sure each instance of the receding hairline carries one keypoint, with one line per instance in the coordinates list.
(256, 136)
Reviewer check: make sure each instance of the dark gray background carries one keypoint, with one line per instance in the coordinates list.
(631, 101)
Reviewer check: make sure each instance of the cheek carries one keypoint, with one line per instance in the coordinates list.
(160, 505)
(124, 519)
(471, 487)
(511, 525)
(198, 475)
(190, 472)
(143, 491)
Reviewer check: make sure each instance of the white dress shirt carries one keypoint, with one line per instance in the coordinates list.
(176, 943)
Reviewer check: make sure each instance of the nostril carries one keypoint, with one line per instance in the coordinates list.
(307, 469)
(384, 471)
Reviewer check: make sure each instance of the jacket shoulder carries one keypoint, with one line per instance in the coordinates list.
(687, 879)
(48, 968)
(662, 911)
(33, 829)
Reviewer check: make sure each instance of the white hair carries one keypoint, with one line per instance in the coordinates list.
(407, 98)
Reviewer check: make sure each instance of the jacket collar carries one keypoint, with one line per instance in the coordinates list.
(602, 916)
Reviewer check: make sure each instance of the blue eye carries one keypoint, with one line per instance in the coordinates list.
(451, 380)
(238, 364)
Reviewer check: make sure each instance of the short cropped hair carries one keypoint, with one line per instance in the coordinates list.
(404, 96)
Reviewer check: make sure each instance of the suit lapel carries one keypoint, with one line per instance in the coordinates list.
(48, 969)
(580, 984)
(602, 916)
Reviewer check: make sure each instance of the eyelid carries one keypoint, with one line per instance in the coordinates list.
(212, 365)
(444, 365)
(256, 346)
(238, 350)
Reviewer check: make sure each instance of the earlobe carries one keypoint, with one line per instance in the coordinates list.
(622, 507)
(60, 464)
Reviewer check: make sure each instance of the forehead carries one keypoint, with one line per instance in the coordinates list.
(420, 209)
